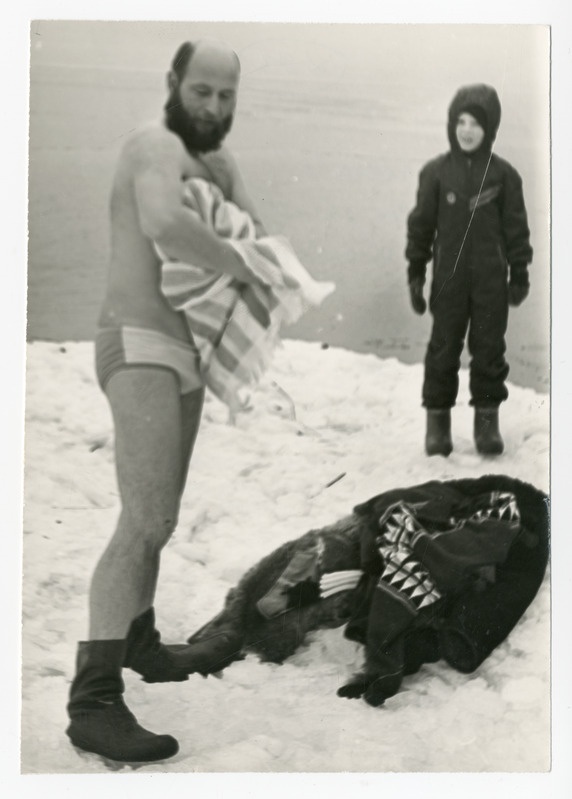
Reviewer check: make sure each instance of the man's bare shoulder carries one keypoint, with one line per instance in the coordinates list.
(152, 145)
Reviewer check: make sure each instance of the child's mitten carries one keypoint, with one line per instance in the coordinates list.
(416, 294)
(518, 286)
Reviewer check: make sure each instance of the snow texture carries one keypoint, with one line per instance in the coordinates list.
(320, 414)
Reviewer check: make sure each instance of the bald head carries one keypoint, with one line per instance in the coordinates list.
(210, 52)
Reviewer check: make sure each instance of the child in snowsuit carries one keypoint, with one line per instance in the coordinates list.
(470, 219)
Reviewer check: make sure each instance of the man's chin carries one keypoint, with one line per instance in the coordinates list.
(201, 138)
(197, 142)
(205, 144)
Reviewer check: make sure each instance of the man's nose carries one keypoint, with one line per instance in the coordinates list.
(213, 105)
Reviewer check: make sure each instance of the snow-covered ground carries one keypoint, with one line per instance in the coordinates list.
(320, 413)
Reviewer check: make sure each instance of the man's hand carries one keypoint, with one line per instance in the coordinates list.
(416, 293)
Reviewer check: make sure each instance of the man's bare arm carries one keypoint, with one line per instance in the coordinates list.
(156, 159)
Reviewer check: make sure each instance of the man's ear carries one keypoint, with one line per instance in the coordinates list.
(172, 80)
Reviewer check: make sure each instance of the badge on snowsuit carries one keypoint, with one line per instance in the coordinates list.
(451, 197)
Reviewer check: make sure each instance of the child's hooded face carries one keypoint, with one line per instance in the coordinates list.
(480, 102)
(469, 132)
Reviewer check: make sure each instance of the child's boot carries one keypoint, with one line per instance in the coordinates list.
(100, 722)
(438, 437)
(488, 439)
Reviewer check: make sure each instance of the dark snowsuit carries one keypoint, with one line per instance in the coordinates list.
(470, 218)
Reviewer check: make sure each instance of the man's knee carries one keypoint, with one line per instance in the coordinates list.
(152, 524)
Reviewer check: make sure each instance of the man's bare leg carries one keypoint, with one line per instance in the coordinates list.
(151, 425)
(191, 409)
(147, 413)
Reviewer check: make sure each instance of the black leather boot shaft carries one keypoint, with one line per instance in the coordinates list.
(146, 655)
(98, 674)
(158, 662)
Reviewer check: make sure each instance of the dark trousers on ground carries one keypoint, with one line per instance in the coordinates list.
(473, 299)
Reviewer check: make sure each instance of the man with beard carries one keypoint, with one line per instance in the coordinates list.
(147, 365)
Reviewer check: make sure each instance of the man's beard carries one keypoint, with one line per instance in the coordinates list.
(179, 121)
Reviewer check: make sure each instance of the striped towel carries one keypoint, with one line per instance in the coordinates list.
(236, 325)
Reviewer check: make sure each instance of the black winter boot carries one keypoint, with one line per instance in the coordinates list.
(100, 722)
(157, 662)
(488, 439)
(438, 437)
(148, 656)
